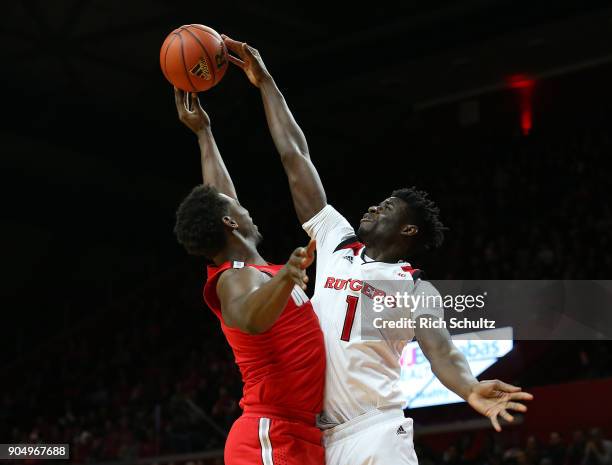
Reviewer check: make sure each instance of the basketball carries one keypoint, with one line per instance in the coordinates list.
(193, 58)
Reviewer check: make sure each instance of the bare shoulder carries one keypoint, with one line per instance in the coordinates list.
(240, 279)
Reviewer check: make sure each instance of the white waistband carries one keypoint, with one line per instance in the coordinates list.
(361, 423)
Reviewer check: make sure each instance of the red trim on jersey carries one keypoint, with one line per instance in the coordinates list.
(409, 269)
(414, 272)
(355, 246)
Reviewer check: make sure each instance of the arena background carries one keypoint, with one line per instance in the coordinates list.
(501, 109)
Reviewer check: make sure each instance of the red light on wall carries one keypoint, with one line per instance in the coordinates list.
(520, 81)
(524, 87)
(526, 122)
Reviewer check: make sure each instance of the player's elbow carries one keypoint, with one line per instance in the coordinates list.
(251, 324)
(253, 328)
(251, 331)
(292, 155)
(241, 320)
(435, 351)
(246, 326)
(435, 344)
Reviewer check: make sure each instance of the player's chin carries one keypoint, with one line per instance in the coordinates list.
(364, 228)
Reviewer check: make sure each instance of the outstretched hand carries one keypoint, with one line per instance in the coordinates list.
(494, 398)
(190, 111)
(300, 259)
(249, 60)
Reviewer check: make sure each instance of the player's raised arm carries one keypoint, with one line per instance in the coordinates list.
(251, 303)
(193, 116)
(489, 398)
(304, 181)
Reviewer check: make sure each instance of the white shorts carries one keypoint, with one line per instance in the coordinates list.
(379, 437)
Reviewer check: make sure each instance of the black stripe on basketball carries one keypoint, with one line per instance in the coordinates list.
(210, 61)
(185, 64)
(165, 67)
(196, 26)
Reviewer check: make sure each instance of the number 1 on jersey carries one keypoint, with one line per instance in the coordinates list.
(351, 308)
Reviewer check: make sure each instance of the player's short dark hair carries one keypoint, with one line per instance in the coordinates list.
(427, 216)
(199, 227)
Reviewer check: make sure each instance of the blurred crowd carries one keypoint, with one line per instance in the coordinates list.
(581, 448)
(525, 208)
(148, 377)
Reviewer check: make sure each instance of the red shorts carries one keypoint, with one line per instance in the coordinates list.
(262, 439)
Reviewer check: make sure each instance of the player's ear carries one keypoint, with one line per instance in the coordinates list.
(230, 222)
(409, 230)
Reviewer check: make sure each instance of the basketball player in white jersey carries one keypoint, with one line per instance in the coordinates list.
(362, 416)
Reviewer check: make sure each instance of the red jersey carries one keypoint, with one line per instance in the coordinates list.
(283, 369)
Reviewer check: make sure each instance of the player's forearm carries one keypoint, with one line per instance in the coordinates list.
(262, 307)
(447, 362)
(214, 171)
(286, 133)
(452, 369)
(304, 181)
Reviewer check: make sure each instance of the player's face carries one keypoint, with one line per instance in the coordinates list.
(383, 222)
(245, 223)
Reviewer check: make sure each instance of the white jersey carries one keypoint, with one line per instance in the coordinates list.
(362, 374)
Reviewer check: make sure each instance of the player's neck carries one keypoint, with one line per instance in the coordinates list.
(384, 254)
(242, 250)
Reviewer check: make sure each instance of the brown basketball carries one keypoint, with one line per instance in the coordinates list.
(193, 58)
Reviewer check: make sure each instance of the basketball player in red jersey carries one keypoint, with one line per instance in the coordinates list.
(264, 313)
(362, 410)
